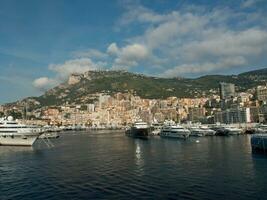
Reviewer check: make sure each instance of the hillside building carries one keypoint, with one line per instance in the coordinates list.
(196, 114)
(262, 93)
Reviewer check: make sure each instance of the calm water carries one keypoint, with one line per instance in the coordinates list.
(112, 166)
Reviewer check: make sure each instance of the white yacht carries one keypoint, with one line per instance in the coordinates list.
(139, 129)
(14, 133)
(172, 130)
(232, 130)
(156, 128)
(207, 131)
(261, 128)
(197, 131)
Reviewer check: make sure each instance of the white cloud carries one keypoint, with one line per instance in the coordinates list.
(62, 71)
(196, 68)
(44, 83)
(250, 3)
(113, 49)
(134, 52)
(140, 14)
(80, 65)
(249, 43)
(128, 56)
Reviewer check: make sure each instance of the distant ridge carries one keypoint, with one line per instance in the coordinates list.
(255, 72)
(81, 88)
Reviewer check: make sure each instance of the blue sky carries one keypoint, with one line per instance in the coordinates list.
(42, 42)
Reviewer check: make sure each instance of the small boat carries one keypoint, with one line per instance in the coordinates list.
(172, 130)
(139, 129)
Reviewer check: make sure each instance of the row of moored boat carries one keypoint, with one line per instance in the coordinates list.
(171, 129)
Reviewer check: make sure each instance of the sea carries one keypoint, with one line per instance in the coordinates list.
(109, 165)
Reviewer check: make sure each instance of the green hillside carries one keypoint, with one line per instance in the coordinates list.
(111, 82)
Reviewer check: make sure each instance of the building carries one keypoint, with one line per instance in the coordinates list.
(263, 113)
(254, 114)
(103, 99)
(196, 114)
(244, 97)
(227, 90)
(91, 107)
(233, 115)
(262, 93)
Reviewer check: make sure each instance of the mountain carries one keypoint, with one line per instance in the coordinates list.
(82, 88)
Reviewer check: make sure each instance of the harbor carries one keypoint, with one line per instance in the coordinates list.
(131, 99)
(140, 160)
(18, 134)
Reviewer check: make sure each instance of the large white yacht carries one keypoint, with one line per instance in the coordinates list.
(172, 130)
(139, 129)
(14, 133)
(200, 131)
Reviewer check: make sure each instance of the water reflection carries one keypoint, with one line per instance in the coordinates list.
(139, 157)
(112, 166)
(14, 149)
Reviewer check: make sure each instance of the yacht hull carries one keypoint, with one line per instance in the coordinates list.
(174, 135)
(138, 133)
(202, 133)
(197, 134)
(18, 140)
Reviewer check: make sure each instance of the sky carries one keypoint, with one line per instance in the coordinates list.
(43, 42)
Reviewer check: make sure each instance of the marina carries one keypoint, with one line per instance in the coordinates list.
(13, 132)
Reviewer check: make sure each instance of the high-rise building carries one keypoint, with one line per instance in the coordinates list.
(233, 115)
(227, 90)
